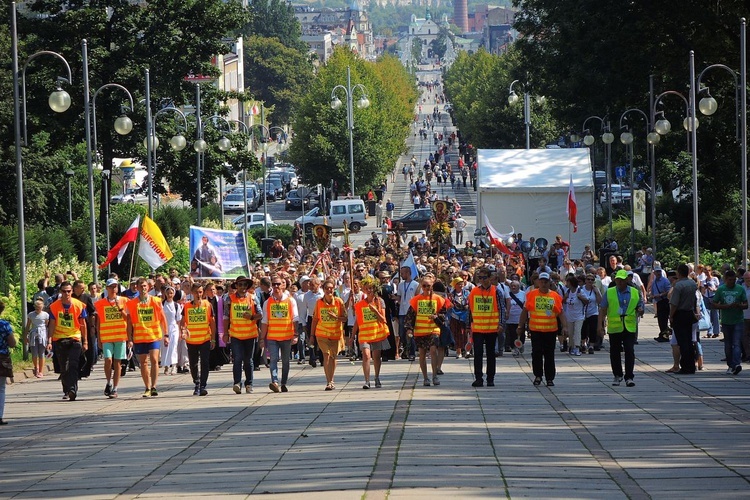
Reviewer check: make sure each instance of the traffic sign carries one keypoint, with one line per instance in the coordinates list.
(303, 191)
(620, 172)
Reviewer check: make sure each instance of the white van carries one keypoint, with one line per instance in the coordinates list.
(351, 210)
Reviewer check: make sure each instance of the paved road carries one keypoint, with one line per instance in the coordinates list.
(667, 437)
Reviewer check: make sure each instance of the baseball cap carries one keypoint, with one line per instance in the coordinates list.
(304, 278)
(112, 281)
(622, 274)
(543, 276)
(175, 281)
(657, 268)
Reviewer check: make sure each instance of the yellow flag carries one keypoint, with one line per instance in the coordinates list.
(153, 248)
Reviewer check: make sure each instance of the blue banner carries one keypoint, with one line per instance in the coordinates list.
(217, 253)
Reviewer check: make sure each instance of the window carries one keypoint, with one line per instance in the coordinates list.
(356, 209)
(338, 210)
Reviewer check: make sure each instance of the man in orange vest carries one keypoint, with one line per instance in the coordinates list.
(487, 316)
(147, 325)
(68, 326)
(241, 316)
(199, 331)
(112, 329)
(425, 311)
(541, 312)
(277, 329)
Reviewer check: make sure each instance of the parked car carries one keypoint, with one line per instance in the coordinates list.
(288, 178)
(274, 188)
(257, 224)
(294, 202)
(251, 218)
(620, 194)
(350, 210)
(234, 202)
(417, 220)
(134, 195)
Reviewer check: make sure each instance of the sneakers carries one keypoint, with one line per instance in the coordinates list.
(72, 395)
(575, 351)
(426, 382)
(203, 391)
(65, 397)
(197, 390)
(550, 383)
(249, 389)
(737, 370)
(237, 389)
(274, 386)
(477, 383)
(435, 380)
(284, 389)
(537, 380)
(147, 393)
(113, 394)
(516, 352)
(378, 385)
(591, 350)
(629, 382)
(366, 385)
(729, 371)
(108, 389)
(616, 381)
(154, 392)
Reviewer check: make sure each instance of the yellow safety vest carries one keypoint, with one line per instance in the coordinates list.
(280, 319)
(615, 322)
(239, 327)
(197, 321)
(485, 311)
(113, 325)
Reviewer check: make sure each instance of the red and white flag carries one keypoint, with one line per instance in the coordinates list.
(119, 249)
(496, 238)
(572, 209)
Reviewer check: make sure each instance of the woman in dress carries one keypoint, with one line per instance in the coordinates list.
(575, 309)
(36, 335)
(371, 327)
(459, 314)
(173, 314)
(328, 328)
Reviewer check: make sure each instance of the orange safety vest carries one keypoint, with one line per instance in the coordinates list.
(485, 313)
(543, 310)
(239, 327)
(426, 307)
(113, 325)
(67, 323)
(368, 323)
(146, 319)
(280, 318)
(198, 322)
(329, 326)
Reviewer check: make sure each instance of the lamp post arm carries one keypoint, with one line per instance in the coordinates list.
(601, 122)
(68, 80)
(93, 105)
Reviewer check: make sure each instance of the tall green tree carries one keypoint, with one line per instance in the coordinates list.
(321, 146)
(275, 19)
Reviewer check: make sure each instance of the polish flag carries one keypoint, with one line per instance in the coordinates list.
(572, 209)
(495, 237)
(119, 249)
(254, 110)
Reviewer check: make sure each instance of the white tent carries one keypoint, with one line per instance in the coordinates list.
(528, 190)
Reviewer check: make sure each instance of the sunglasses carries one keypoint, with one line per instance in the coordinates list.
(67, 291)
(275, 284)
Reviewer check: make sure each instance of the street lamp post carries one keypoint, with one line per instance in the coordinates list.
(123, 126)
(59, 101)
(69, 173)
(708, 106)
(627, 139)
(244, 173)
(513, 98)
(200, 146)
(362, 102)
(607, 138)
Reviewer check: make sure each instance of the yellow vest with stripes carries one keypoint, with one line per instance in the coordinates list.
(146, 319)
(485, 311)
(280, 319)
(113, 325)
(369, 325)
(329, 326)
(197, 321)
(239, 327)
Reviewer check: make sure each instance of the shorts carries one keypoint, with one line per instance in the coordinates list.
(330, 347)
(146, 347)
(37, 350)
(114, 350)
(427, 341)
(378, 345)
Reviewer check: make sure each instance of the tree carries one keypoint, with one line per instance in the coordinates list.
(275, 19)
(276, 74)
(321, 146)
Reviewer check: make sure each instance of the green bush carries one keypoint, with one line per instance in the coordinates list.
(174, 222)
(282, 232)
(58, 240)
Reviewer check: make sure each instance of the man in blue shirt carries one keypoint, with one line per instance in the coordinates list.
(659, 292)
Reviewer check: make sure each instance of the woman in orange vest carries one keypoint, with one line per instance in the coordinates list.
(146, 327)
(541, 312)
(68, 327)
(425, 311)
(328, 328)
(199, 331)
(370, 325)
(112, 328)
(277, 329)
(241, 315)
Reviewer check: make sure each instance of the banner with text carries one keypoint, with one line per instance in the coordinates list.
(217, 253)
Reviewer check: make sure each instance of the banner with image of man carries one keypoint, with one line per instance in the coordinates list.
(217, 253)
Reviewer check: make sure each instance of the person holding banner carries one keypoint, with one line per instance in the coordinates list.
(241, 316)
(371, 327)
(147, 325)
(277, 329)
(328, 329)
(199, 331)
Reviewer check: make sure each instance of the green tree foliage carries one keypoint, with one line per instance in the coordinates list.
(275, 19)
(595, 57)
(321, 146)
(277, 74)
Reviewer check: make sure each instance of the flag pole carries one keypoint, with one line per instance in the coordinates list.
(132, 258)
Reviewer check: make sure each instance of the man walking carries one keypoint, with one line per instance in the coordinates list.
(406, 290)
(425, 311)
(147, 325)
(730, 299)
(68, 326)
(682, 317)
(459, 224)
(241, 329)
(112, 328)
(199, 331)
(621, 305)
(487, 313)
(277, 331)
(660, 287)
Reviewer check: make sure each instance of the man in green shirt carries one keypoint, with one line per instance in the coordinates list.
(730, 299)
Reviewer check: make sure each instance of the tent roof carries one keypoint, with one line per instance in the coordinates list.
(534, 169)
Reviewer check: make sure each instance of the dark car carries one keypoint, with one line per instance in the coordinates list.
(294, 202)
(417, 220)
(274, 189)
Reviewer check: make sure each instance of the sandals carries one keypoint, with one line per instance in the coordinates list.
(672, 370)
(329, 387)
(537, 380)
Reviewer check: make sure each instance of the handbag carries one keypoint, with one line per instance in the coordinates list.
(6, 366)
(704, 323)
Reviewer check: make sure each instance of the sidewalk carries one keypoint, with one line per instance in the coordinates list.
(667, 437)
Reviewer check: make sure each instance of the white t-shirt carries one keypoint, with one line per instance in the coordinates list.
(406, 291)
(514, 316)
(459, 224)
(575, 309)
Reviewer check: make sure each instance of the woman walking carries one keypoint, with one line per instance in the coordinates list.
(371, 328)
(199, 331)
(328, 329)
(173, 314)
(36, 335)
(459, 314)
(7, 342)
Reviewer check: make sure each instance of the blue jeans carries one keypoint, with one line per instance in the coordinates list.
(301, 342)
(714, 314)
(274, 346)
(408, 344)
(242, 354)
(3, 381)
(732, 338)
